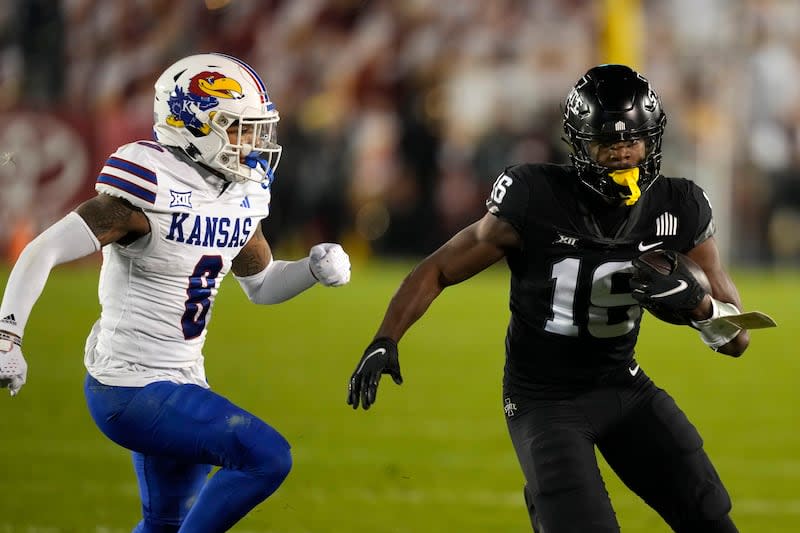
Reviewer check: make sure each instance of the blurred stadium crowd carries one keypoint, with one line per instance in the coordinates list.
(396, 117)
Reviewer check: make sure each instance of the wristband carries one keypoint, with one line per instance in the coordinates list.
(6, 336)
(717, 333)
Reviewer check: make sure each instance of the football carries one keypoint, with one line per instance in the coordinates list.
(668, 263)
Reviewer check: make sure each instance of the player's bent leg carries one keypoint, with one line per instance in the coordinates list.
(256, 460)
(659, 455)
(193, 424)
(558, 459)
(168, 488)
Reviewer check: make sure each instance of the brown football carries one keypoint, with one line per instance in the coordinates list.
(666, 262)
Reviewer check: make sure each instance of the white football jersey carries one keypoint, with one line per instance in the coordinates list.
(157, 293)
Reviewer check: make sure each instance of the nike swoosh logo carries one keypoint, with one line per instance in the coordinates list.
(379, 351)
(644, 247)
(634, 370)
(681, 286)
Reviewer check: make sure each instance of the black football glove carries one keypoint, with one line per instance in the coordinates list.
(380, 357)
(678, 291)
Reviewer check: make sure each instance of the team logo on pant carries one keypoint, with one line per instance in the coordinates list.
(510, 408)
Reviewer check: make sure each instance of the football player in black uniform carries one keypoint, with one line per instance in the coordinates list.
(570, 235)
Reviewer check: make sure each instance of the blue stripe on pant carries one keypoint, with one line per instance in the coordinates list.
(176, 432)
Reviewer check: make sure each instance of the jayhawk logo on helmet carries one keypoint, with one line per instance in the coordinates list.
(187, 108)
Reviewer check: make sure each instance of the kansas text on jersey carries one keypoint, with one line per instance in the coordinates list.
(157, 293)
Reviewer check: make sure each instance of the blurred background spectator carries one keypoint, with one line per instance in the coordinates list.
(396, 117)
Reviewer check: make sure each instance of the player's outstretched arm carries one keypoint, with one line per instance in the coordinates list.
(724, 296)
(96, 222)
(266, 280)
(470, 251)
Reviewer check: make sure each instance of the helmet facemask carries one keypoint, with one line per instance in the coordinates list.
(252, 152)
(617, 185)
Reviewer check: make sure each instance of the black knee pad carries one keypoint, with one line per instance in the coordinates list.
(707, 511)
(713, 503)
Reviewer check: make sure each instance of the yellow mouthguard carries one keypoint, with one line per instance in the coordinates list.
(628, 177)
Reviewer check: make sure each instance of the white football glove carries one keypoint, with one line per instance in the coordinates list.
(329, 264)
(13, 368)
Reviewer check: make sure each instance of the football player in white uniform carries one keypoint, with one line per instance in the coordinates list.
(172, 217)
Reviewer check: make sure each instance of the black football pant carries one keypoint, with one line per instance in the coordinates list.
(645, 438)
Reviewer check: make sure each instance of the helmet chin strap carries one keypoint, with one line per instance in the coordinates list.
(628, 177)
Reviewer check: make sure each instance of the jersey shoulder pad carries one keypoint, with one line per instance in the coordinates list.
(672, 184)
(683, 202)
(544, 178)
(531, 176)
(509, 191)
(131, 173)
(693, 190)
(534, 172)
(682, 193)
(521, 191)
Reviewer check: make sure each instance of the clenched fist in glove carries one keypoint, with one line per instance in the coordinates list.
(670, 285)
(379, 358)
(13, 368)
(329, 264)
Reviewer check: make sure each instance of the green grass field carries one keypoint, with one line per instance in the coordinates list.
(433, 455)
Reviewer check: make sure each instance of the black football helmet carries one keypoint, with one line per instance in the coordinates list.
(613, 103)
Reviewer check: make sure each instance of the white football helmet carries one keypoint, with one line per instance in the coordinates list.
(216, 109)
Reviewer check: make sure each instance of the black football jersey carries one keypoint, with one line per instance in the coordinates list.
(573, 318)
